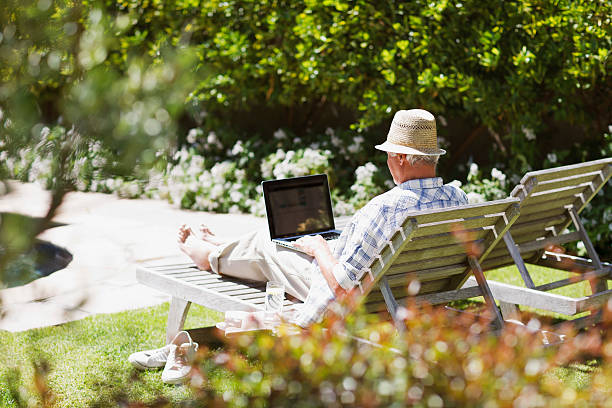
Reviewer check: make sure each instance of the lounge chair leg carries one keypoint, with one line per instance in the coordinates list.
(509, 311)
(498, 321)
(392, 305)
(597, 285)
(176, 317)
(518, 260)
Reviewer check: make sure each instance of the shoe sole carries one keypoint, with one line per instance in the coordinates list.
(142, 367)
(179, 381)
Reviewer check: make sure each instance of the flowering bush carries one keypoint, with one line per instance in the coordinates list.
(479, 189)
(292, 163)
(205, 175)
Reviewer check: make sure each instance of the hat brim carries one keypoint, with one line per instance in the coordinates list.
(395, 148)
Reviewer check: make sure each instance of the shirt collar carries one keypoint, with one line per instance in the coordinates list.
(433, 182)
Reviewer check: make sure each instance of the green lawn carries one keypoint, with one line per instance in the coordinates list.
(88, 364)
(88, 358)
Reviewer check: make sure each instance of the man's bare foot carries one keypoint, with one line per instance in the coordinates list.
(196, 249)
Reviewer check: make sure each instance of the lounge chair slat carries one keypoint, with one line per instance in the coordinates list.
(567, 171)
(447, 238)
(451, 295)
(180, 271)
(459, 224)
(530, 208)
(550, 241)
(426, 264)
(424, 275)
(400, 292)
(593, 177)
(471, 211)
(533, 298)
(435, 252)
(548, 212)
(574, 279)
(558, 194)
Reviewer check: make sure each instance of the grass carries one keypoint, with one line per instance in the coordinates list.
(87, 359)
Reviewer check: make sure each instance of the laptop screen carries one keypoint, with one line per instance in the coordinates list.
(298, 206)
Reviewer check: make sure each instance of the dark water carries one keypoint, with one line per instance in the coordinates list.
(42, 260)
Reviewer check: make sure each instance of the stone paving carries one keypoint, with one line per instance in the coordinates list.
(107, 236)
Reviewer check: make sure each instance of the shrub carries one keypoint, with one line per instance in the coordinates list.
(438, 361)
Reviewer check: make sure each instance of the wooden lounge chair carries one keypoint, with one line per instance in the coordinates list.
(427, 248)
(550, 201)
(445, 248)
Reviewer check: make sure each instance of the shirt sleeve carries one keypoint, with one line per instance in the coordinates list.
(361, 245)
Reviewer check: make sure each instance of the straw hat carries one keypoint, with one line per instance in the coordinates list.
(412, 132)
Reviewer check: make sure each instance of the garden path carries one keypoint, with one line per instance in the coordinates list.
(107, 236)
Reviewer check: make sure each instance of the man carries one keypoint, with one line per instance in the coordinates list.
(325, 273)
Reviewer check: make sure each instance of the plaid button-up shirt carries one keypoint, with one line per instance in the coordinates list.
(367, 233)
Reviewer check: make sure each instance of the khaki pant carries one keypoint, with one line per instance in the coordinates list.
(255, 257)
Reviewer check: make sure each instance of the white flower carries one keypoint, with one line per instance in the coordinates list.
(455, 183)
(216, 191)
(132, 189)
(238, 148)
(497, 174)
(95, 147)
(473, 169)
(236, 196)
(609, 126)
(234, 209)
(212, 139)
(80, 185)
(354, 147)
(192, 136)
(98, 162)
(529, 133)
(181, 155)
(551, 157)
(240, 175)
(219, 171)
(110, 184)
(280, 134)
(330, 132)
(365, 172)
(474, 198)
(336, 141)
(343, 208)
(442, 120)
(44, 132)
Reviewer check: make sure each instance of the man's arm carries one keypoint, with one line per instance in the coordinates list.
(317, 247)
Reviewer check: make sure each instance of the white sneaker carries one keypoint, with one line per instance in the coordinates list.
(144, 360)
(178, 364)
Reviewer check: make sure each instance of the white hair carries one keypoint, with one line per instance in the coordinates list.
(415, 159)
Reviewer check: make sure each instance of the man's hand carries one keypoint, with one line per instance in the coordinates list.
(317, 247)
(311, 244)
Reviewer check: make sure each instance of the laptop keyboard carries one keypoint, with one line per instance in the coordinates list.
(330, 235)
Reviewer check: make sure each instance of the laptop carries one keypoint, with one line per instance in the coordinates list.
(297, 207)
